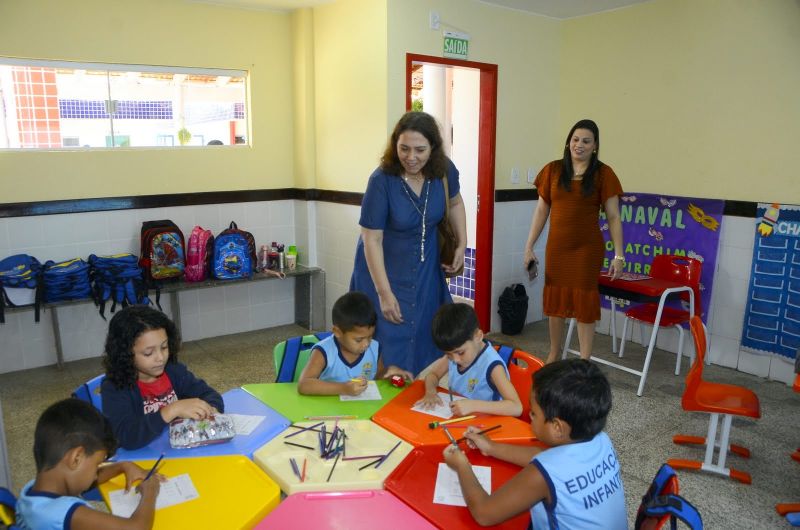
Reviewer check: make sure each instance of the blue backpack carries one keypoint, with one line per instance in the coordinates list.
(662, 499)
(20, 271)
(234, 254)
(67, 280)
(117, 278)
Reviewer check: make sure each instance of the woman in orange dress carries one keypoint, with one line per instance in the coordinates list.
(571, 193)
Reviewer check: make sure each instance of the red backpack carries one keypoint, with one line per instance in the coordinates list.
(199, 254)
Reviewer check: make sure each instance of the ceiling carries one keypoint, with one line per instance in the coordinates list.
(549, 8)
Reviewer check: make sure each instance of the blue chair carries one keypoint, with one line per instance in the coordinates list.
(661, 503)
(90, 392)
(291, 356)
(8, 507)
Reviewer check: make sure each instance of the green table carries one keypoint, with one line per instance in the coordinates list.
(284, 398)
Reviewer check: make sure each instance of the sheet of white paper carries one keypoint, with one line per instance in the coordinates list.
(370, 394)
(440, 411)
(245, 424)
(448, 490)
(174, 491)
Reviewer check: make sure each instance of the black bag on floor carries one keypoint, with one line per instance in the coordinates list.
(512, 306)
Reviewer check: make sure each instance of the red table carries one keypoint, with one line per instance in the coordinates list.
(645, 290)
(414, 480)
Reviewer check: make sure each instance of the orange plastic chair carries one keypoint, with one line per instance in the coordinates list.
(718, 400)
(791, 510)
(521, 367)
(677, 269)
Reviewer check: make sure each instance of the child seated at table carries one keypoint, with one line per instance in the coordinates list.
(473, 367)
(576, 483)
(344, 362)
(145, 386)
(71, 442)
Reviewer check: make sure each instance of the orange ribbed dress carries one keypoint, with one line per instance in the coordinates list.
(574, 244)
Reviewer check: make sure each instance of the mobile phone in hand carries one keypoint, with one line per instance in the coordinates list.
(533, 269)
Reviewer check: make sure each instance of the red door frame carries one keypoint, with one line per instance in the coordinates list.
(484, 226)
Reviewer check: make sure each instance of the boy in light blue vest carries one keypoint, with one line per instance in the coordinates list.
(346, 361)
(576, 483)
(473, 367)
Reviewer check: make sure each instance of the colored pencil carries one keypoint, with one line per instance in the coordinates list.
(449, 436)
(303, 477)
(153, 469)
(371, 463)
(303, 429)
(332, 468)
(362, 457)
(299, 445)
(295, 468)
(386, 456)
(480, 432)
(450, 391)
(435, 424)
(346, 417)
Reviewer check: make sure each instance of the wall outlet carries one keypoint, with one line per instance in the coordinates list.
(514, 175)
(435, 20)
(531, 175)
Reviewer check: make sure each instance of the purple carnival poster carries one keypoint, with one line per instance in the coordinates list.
(658, 224)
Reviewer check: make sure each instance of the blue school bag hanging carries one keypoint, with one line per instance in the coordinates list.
(117, 278)
(20, 283)
(234, 254)
(66, 280)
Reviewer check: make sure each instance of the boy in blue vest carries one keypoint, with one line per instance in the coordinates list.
(473, 367)
(347, 360)
(576, 483)
(71, 441)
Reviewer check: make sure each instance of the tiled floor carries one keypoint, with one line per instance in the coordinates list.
(641, 427)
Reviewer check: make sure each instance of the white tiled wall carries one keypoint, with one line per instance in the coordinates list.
(204, 312)
(729, 296)
(326, 236)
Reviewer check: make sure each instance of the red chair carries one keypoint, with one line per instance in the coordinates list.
(522, 378)
(718, 400)
(791, 510)
(678, 269)
(521, 367)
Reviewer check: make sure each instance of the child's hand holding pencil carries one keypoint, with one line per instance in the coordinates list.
(355, 386)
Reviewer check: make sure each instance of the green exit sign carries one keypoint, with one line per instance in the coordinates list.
(456, 45)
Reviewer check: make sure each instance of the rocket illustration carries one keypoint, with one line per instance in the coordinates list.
(769, 219)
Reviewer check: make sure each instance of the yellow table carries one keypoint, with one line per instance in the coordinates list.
(233, 493)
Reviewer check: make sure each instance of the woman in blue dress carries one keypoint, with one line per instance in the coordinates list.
(397, 257)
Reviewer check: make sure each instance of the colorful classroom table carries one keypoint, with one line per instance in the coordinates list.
(237, 401)
(351, 510)
(364, 438)
(233, 493)
(412, 426)
(414, 480)
(284, 398)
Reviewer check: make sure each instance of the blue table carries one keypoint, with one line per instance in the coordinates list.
(237, 401)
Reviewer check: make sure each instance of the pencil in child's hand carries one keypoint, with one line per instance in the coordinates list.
(484, 431)
(450, 391)
(449, 436)
(153, 469)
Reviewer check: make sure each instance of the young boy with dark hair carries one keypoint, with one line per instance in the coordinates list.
(344, 362)
(71, 442)
(576, 483)
(473, 367)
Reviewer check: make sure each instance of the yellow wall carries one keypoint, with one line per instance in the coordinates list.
(350, 100)
(693, 97)
(526, 49)
(161, 32)
(304, 110)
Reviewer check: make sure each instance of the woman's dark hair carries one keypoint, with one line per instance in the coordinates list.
(567, 171)
(352, 310)
(453, 325)
(426, 125)
(577, 392)
(68, 424)
(123, 330)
